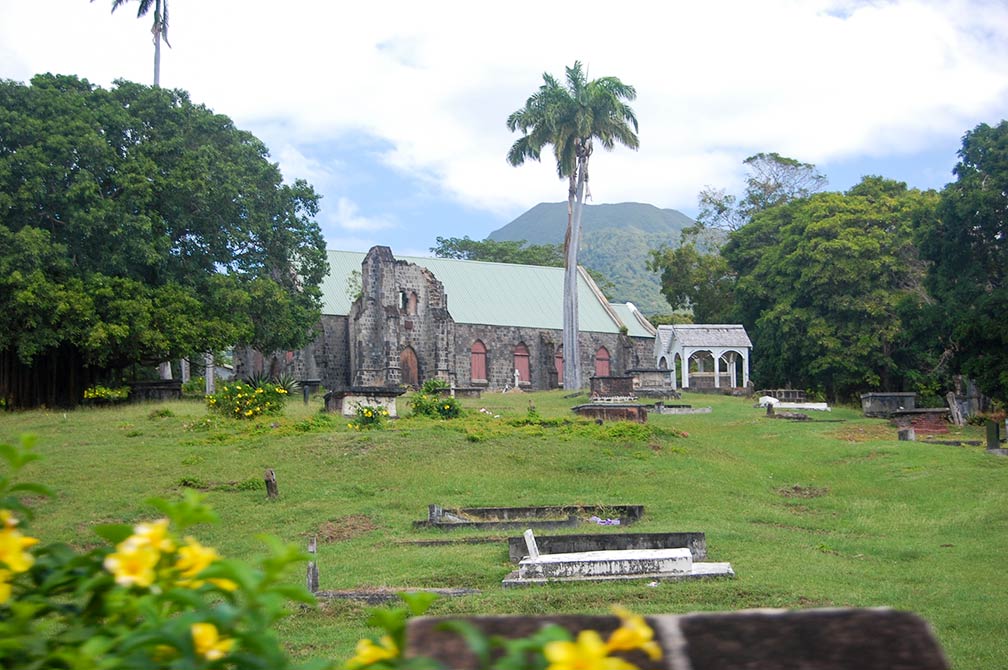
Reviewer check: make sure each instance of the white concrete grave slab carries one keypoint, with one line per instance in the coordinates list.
(621, 564)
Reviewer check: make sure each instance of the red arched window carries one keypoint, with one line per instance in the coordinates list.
(602, 362)
(477, 362)
(558, 363)
(521, 362)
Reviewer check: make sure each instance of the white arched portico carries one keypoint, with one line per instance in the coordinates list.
(727, 345)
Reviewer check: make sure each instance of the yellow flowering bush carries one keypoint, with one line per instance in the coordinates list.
(368, 416)
(155, 597)
(99, 394)
(239, 400)
(435, 406)
(551, 648)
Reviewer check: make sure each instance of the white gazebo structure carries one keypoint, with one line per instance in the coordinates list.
(704, 355)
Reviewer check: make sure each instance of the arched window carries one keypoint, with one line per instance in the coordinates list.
(521, 362)
(558, 363)
(602, 362)
(411, 303)
(477, 362)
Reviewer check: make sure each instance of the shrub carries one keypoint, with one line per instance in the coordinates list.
(154, 597)
(434, 386)
(194, 388)
(241, 401)
(367, 417)
(425, 404)
(99, 394)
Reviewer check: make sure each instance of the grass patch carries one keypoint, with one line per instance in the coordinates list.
(909, 525)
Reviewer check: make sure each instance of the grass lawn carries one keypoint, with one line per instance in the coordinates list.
(834, 512)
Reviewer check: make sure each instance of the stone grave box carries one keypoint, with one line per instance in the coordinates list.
(884, 405)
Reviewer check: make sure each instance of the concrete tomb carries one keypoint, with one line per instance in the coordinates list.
(609, 565)
(524, 517)
(565, 544)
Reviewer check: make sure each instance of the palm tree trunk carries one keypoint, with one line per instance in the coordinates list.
(572, 347)
(158, 29)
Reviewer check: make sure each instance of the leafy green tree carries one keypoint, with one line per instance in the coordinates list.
(693, 280)
(136, 227)
(773, 180)
(967, 245)
(571, 117)
(159, 29)
(825, 284)
(505, 251)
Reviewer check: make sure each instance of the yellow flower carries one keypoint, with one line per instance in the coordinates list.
(154, 534)
(633, 633)
(5, 587)
(133, 563)
(208, 642)
(587, 653)
(369, 653)
(13, 544)
(248, 412)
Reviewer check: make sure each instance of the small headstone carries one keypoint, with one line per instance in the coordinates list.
(530, 544)
(311, 578)
(271, 484)
(907, 435)
(993, 436)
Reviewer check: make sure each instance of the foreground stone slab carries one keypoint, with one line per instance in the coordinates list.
(827, 639)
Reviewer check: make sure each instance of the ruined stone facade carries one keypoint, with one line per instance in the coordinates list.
(400, 331)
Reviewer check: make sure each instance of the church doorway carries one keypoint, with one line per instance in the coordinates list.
(408, 368)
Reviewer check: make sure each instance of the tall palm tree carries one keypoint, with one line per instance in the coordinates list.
(159, 29)
(570, 117)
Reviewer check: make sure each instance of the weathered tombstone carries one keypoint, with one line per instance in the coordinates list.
(907, 435)
(993, 436)
(530, 544)
(208, 373)
(271, 484)
(311, 578)
(954, 409)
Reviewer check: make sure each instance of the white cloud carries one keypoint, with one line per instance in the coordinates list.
(347, 216)
(819, 80)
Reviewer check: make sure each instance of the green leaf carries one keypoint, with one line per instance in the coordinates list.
(418, 602)
(475, 639)
(114, 533)
(38, 489)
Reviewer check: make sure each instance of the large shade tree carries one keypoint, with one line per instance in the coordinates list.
(571, 117)
(159, 29)
(967, 245)
(135, 227)
(826, 285)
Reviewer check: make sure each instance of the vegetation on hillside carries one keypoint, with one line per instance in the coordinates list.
(616, 242)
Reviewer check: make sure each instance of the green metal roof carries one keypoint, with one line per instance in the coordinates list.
(636, 323)
(495, 294)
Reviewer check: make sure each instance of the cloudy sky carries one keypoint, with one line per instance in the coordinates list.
(395, 110)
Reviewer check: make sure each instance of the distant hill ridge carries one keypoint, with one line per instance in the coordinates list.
(616, 239)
